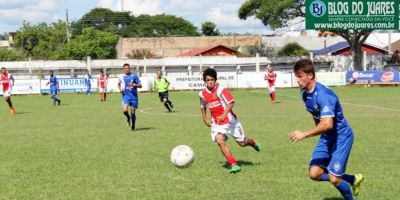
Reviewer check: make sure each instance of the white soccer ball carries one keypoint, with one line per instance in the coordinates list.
(182, 156)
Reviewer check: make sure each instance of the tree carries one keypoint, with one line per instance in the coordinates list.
(11, 55)
(209, 29)
(160, 26)
(102, 19)
(93, 43)
(41, 41)
(278, 13)
(292, 49)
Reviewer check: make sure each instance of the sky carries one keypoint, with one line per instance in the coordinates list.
(222, 12)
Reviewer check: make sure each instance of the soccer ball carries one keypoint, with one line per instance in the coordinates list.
(182, 156)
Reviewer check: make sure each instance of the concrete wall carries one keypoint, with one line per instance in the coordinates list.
(175, 46)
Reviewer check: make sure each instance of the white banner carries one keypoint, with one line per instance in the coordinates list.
(327, 78)
(112, 85)
(228, 80)
(25, 87)
(256, 80)
(69, 85)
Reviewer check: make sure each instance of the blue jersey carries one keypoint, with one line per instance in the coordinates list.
(322, 102)
(129, 92)
(88, 79)
(53, 81)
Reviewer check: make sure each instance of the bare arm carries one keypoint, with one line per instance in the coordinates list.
(204, 116)
(324, 125)
(228, 109)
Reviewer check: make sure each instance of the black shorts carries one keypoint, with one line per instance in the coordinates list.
(163, 95)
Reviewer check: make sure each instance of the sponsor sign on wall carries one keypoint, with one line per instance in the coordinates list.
(69, 85)
(373, 76)
(24, 87)
(196, 82)
(256, 80)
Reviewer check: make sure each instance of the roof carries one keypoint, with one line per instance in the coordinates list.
(339, 46)
(200, 50)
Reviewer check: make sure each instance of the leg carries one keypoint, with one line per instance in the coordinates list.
(342, 186)
(133, 117)
(249, 142)
(317, 173)
(10, 105)
(125, 111)
(165, 102)
(226, 152)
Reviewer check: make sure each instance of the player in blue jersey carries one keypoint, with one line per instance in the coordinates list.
(88, 82)
(128, 84)
(54, 88)
(329, 159)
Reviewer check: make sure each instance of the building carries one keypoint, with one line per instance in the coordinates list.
(216, 50)
(343, 48)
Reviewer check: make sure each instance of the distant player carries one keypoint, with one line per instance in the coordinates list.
(162, 84)
(88, 82)
(271, 77)
(103, 80)
(223, 122)
(7, 80)
(54, 88)
(128, 85)
(329, 160)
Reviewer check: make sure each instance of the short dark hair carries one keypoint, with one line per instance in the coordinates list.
(126, 64)
(209, 72)
(305, 65)
(101, 71)
(3, 68)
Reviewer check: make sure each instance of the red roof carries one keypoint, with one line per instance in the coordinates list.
(202, 50)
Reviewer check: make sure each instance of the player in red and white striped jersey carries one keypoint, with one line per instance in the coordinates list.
(223, 121)
(103, 85)
(271, 77)
(7, 82)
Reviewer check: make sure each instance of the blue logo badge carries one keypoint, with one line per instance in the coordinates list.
(318, 8)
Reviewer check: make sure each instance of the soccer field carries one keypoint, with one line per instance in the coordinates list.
(83, 149)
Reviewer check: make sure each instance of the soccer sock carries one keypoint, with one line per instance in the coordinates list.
(128, 118)
(324, 177)
(167, 106)
(345, 190)
(349, 178)
(273, 96)
(270, 94)
(104, 96)
(231, 160)
(54, 100)
(133, 120)
(251, 142)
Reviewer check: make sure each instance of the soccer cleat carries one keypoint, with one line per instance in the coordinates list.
(257, 147)
(357, 183)
(59, 102)
(235, 169)
(12, 110)
(128, 123)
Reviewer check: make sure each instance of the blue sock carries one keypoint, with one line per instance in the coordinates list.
(349, 178)
(324, 177)
(128, 118)
(133, 120)
(54, 100)
(345, 190)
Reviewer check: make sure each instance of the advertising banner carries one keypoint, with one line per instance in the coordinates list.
(373, 76)
(352, 14)
(228, 80)
(69, 85)
(24, 87)
(256, 80)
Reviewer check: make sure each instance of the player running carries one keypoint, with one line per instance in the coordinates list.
(128, 85)
(271, 77)
(329, 159)
(162, 84)
(7, 80)
(54, 88)
(88, 82)
(103, 80)
(223, 122)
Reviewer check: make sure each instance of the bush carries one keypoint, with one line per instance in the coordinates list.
(293, 49)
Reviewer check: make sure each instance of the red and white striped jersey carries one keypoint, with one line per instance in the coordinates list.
(217, 100)
(271, 77)
(103, 81)
(6, 81)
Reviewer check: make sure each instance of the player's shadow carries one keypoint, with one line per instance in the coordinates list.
(145, 128)
(333, 198)
(21, 113)
(240, 163)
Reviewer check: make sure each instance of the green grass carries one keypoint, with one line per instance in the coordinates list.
(83, 150)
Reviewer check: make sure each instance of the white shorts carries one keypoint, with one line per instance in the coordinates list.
(234, 129)
(102, 90)
(7, 93)
(271, 89)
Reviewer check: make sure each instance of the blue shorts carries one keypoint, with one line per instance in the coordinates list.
(332, 155)
(130, 102)
(53, 91)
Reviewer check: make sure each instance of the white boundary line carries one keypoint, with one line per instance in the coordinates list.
(351, 104)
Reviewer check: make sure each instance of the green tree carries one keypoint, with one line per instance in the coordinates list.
(160, 26)
(292, 49)
(276, 13)
(209, 28)
(93, 43)
(41, 41)
(11, 55)
(102, 19)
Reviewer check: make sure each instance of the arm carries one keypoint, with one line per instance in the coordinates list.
(119, 86)
(12, 80)
(323, 126)
(137, 85)
(204, 116)
(228, 109)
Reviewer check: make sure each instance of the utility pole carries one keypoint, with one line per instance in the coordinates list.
(67, 22)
